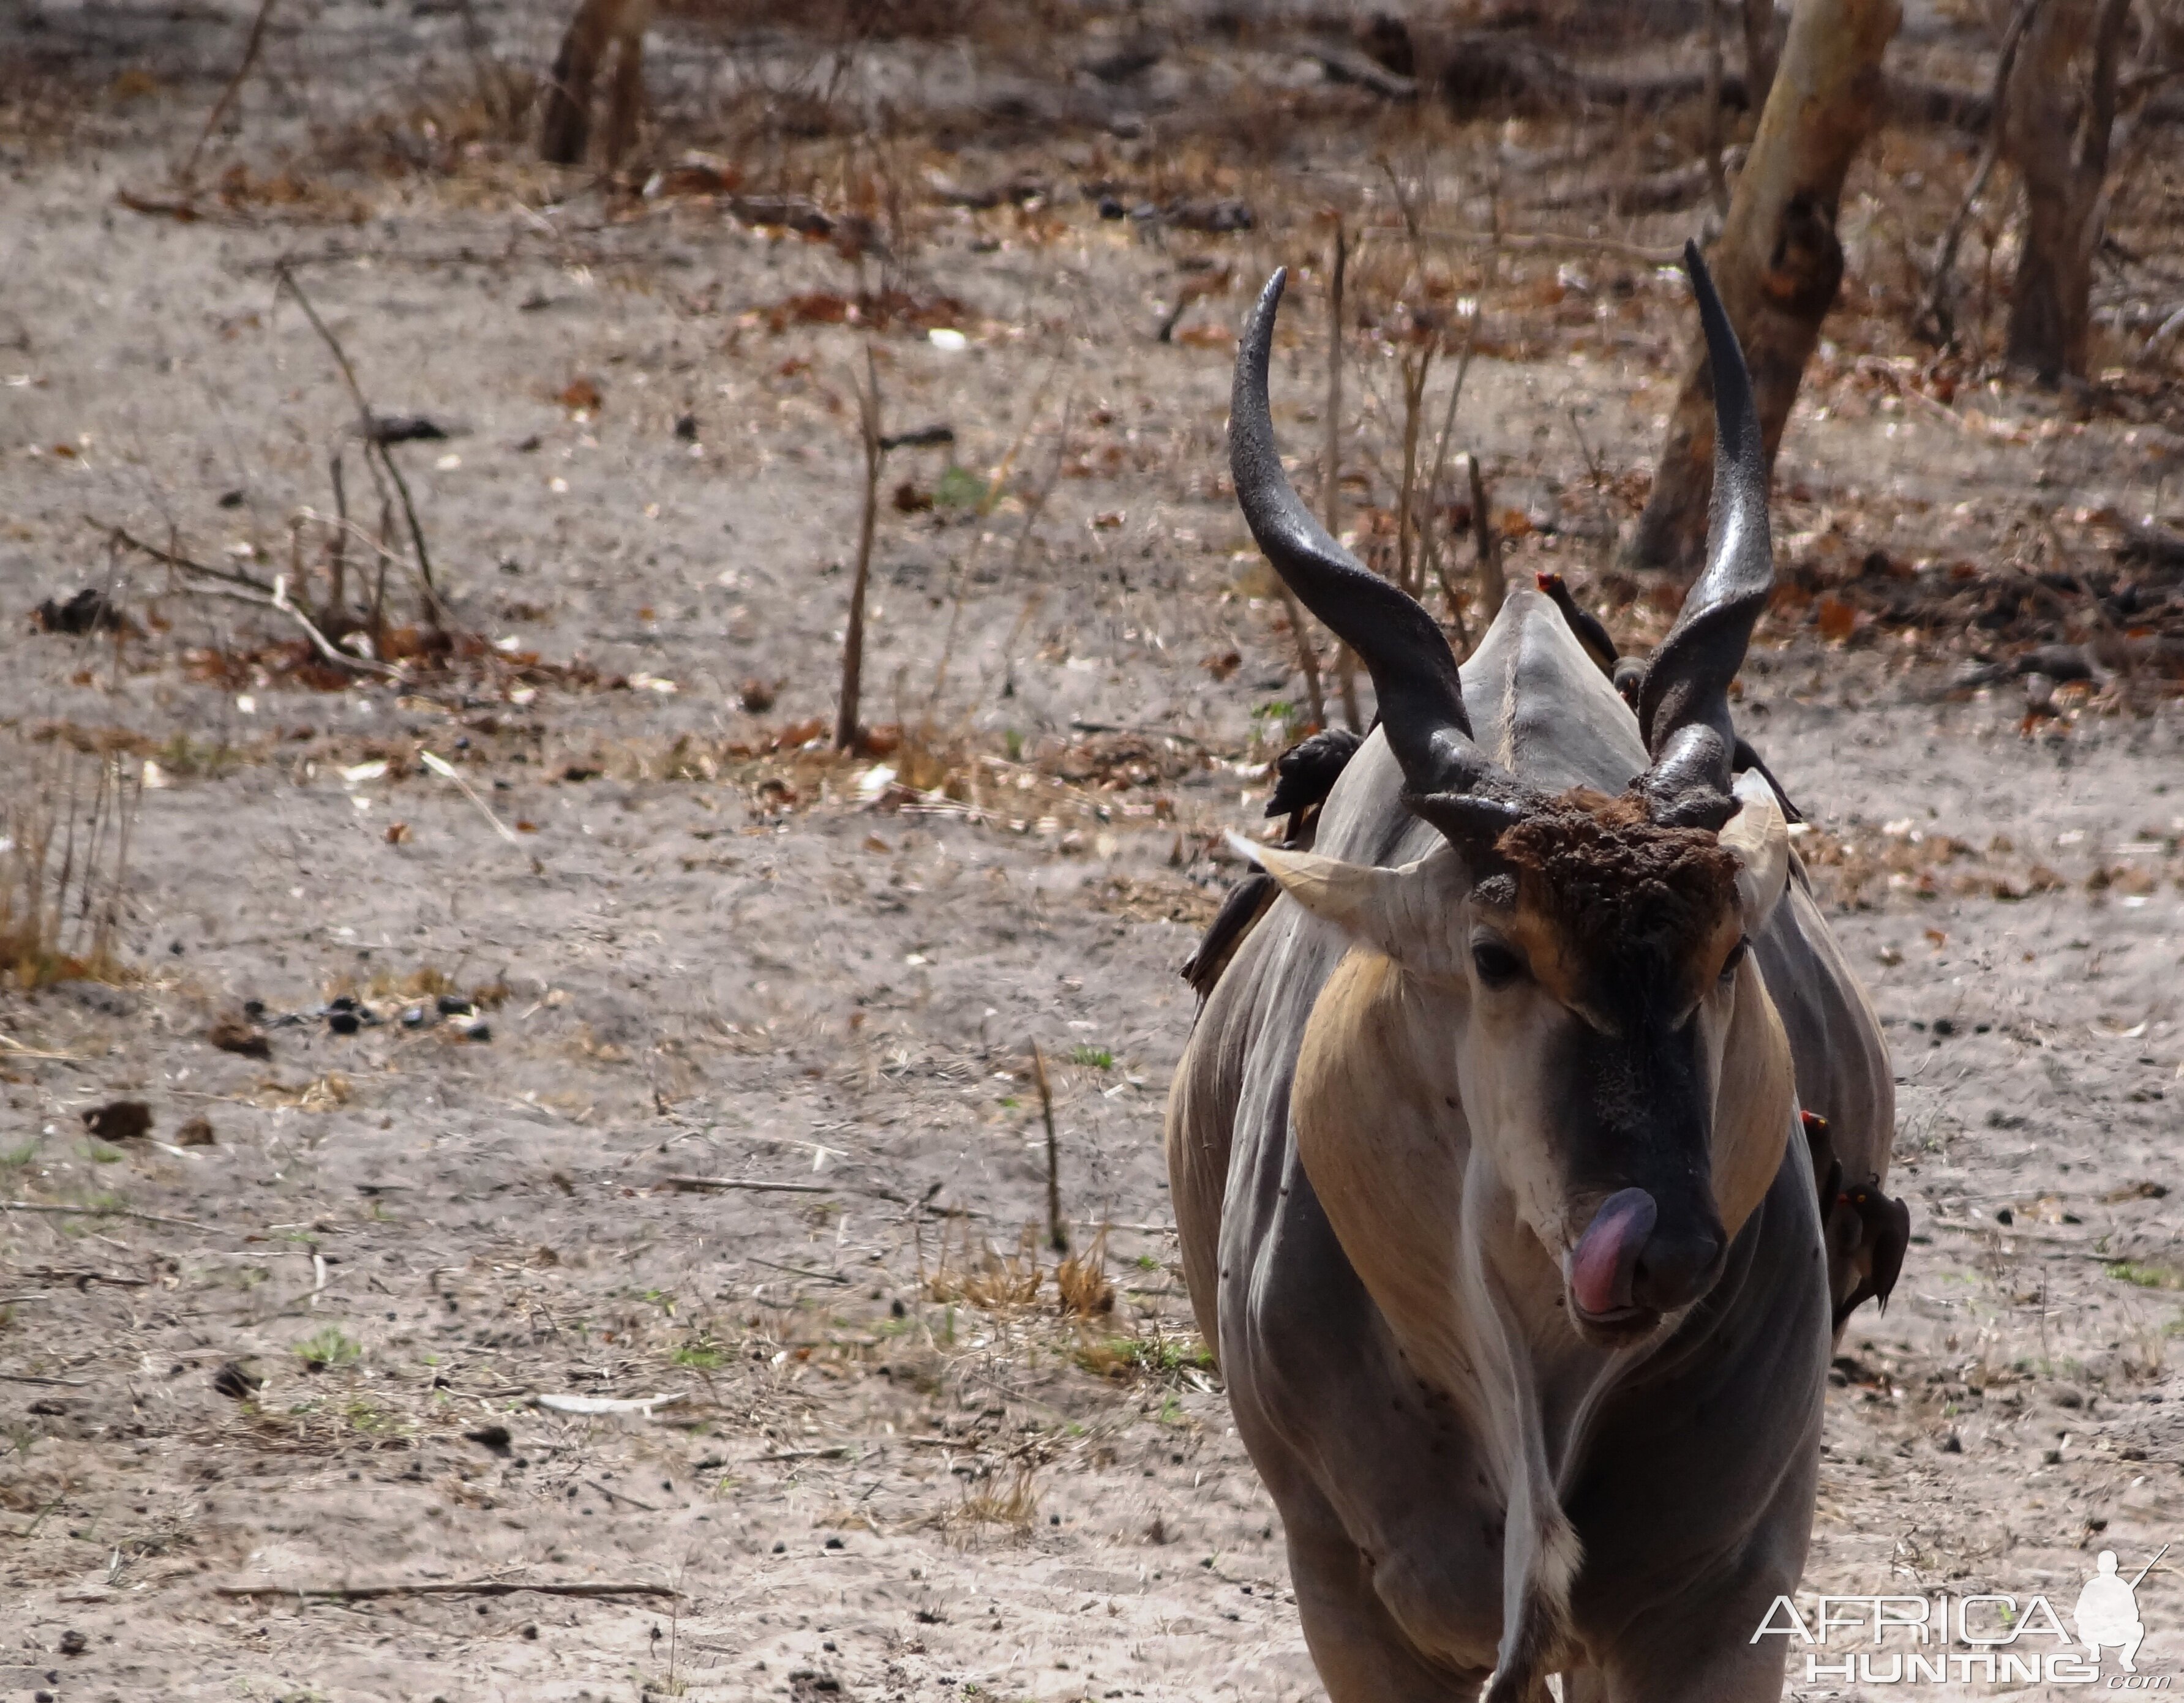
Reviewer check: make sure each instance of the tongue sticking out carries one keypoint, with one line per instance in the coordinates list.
(1603, 1265)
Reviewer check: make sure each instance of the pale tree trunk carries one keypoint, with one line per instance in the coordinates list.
(596, 26)
(1778, 264)
(2056, 133)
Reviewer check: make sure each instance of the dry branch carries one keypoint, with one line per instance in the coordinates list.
(373, 1592)
(1432, 540)
(846, 731)
(227, 95)
(1493, 588)
(374, 447)
(696, 1184)
(1330, 493)
(446, 771)
(1934, 318)
(101, 1212)
(1057, 1236)
(326, 647)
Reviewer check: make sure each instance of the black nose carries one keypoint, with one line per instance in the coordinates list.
(1676, 1267)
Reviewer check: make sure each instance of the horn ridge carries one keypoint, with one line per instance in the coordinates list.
(1683, 708)
(1414, 672)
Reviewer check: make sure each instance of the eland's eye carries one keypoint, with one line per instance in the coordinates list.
(1736, 957)
(1496, 964)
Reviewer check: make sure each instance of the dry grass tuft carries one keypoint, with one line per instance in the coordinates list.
(1173, 1357)
(1081, 1283)
(1015, 1508)
(989, 1281)
(64, 865)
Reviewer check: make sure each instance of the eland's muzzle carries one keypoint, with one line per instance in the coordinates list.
(1628, 1268)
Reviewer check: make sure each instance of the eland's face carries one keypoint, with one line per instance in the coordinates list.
(1604, 960)
(1589, 985)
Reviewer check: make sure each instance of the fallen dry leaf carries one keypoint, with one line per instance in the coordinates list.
(234, 1035)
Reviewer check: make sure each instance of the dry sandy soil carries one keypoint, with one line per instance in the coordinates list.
(699, 950)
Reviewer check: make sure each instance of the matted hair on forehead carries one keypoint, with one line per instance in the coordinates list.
(1612, 880)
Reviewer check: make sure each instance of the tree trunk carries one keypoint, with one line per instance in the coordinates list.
(596, 26)
(1777, 264)
(2056, 133)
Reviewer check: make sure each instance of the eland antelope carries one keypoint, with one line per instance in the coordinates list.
(1482, 1148)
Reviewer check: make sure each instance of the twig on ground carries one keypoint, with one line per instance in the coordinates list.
(101, 1212)
(750, 1186)
(174, 559)
(615, 1496)
(49, 1382)
(371, 1593)
(801, 1272)
(446, 771)
(326, 647)
(219, 107)
(55, 1274)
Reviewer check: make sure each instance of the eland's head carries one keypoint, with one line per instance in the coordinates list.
(1577, 962)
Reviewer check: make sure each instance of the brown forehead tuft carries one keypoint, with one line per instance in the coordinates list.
(1612, 884)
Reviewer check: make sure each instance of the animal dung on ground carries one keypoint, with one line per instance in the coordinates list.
(405, 428)
(120, 1120)
(234, 1035)
(88, 611)
(494, 1437)
(236, 1383)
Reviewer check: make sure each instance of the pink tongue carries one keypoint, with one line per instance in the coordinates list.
(1606, 1255)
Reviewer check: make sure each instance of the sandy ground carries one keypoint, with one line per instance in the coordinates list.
(885, 1472)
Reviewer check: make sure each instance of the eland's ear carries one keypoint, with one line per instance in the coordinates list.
(1759, 839)
(1408, 913)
